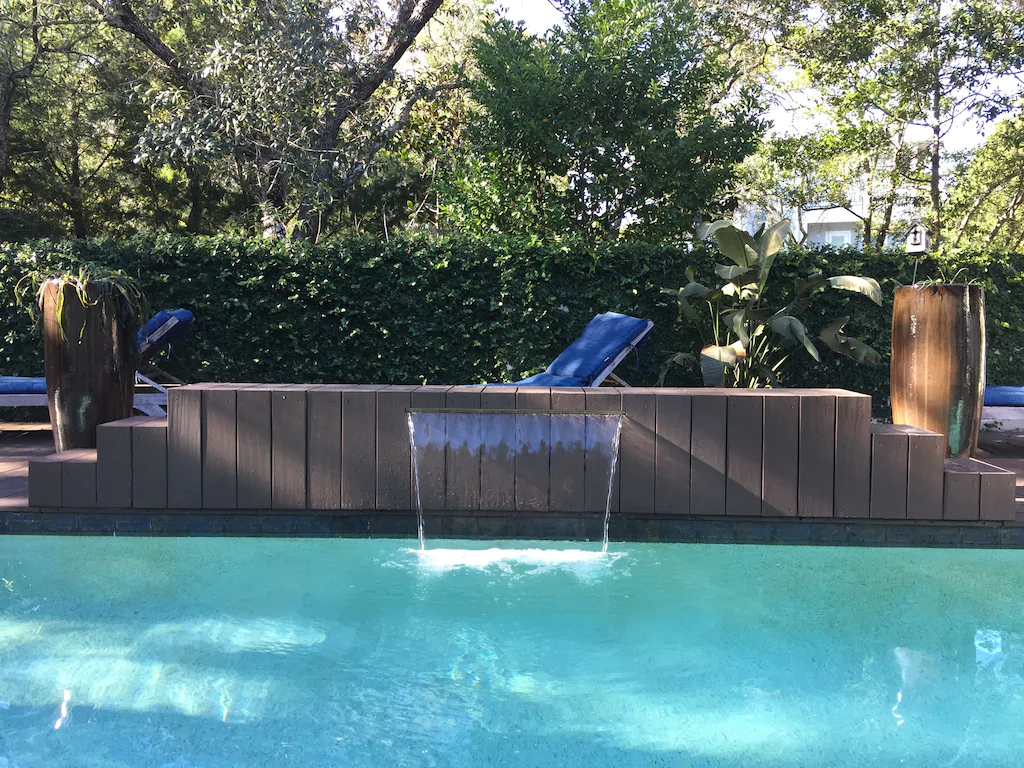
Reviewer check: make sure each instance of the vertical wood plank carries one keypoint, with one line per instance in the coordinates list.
(45, 481)
(998, 493)
(219, 441)
(149, 464)
(816, 495)
(78, 478)
(462, 449)
(323, 443)
(780, 477)
(498, 456)
(253, 447)
(853, 455)
(114, 463)
(926, 458)
(394, 455)
(638, 446)
(430, 446)
(709, 431)
(600, 431)
(359, 446)
(568, 450)
(743, 460)
(961, 497)
(890, 454)
(185, 447)
(672, 462)
(533, 449)
(288, 447)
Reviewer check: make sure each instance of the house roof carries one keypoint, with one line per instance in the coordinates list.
(830, 216)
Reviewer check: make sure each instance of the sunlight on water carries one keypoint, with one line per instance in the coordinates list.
(218, 653)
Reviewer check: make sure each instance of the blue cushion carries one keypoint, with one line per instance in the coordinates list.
(183, 319)
(604, 337)
(22, 385)
(551, 380)
(1004, 396)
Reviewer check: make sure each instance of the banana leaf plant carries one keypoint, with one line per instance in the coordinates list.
(745, 342)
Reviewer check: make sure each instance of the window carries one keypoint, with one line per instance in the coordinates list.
(838, 239)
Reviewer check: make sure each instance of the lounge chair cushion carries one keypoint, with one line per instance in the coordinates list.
(164, 328)
(22, 385)
(604, 337)
(1004, 396)
(551, 380)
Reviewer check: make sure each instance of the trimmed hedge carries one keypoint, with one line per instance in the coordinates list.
(455, 311)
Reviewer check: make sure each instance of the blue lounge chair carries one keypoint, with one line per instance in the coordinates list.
(163, 328)
(604, 343)
(1004, 397)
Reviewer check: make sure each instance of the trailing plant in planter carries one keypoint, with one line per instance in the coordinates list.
(746, 343)
(89, 321)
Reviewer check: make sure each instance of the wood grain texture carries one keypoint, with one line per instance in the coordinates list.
(114, 463)
(498, 455)
(672, 447)
(533, 449)
(744, 454)
(638, 451)
(185, 446)
(254, 435)
(816, 495)
(780, 478)
(219, 441)
(568, 450)
(394, 455)
(709, 431)
(359, 446)
(890, 455)
(961, 497)
(600, 430)
(853, 455)
(149, 464)
(78, 478)
(323, 446)
(937, 372)
(462, 456)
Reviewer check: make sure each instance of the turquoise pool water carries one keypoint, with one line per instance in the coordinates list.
(246, 652)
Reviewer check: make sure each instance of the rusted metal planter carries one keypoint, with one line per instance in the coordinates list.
(938, 362)
(90, 378)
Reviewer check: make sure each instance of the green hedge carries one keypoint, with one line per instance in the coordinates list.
(453, 311)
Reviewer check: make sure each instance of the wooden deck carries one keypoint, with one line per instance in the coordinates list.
(18, 444)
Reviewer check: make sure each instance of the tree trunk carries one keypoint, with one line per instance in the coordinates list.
(76, 206)
(883, 230)
(936, 192)
(7, 83)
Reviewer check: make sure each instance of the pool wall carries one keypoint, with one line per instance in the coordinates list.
(686, 455)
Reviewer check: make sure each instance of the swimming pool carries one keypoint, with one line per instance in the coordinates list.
(354, 652)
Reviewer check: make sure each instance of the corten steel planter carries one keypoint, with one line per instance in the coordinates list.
(90, 376)
(938, 362)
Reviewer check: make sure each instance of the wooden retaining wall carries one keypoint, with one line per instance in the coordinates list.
(683, 452)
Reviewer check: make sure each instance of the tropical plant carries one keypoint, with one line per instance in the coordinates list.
(93, 286)
(746, 343)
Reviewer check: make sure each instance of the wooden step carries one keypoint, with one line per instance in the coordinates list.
(906, 472)
(977, 490)
(114, 446)
(66, 479)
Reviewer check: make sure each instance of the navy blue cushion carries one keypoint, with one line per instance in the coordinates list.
(1004, 396)
(551, 380)
(601, 341)
(22, 385)
(183, 319)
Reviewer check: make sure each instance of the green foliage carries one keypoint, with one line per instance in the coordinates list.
(620, 120)
(745, 342)
(457, 311)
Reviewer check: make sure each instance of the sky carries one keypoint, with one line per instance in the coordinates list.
(540, 15)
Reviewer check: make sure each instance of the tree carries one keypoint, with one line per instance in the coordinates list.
(986, 202)
(927, 63)
(295, 96)
(621, 122)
